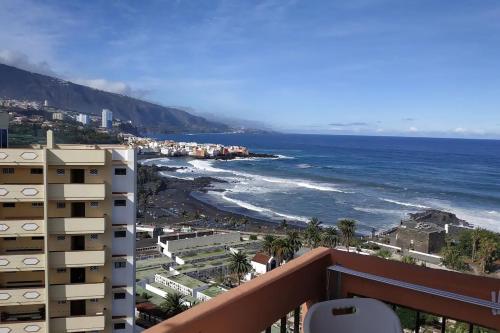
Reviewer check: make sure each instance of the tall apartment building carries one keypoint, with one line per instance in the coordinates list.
(83, 118)
(67, 234)
(107, 118)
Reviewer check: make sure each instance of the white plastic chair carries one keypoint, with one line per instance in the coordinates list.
(351, 315)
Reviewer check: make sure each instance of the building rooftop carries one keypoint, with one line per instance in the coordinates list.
(186, 281)
(213, 291)
(261, 258)
(152, 263)
(168, 290)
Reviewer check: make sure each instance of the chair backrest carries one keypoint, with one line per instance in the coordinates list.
(351, 315)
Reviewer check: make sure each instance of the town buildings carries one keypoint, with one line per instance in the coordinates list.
(4, 130)
(67, 234)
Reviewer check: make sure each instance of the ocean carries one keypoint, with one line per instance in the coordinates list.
(375, 180)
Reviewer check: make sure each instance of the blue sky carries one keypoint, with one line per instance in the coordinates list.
(412, 67)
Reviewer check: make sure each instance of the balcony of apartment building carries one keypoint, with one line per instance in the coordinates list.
(76, 217)
(22, 288)
(23, 318)
(76, 156)
(449, 299)
(21, 183)
(20, 157)
(85, 323)
(76, 283)
(76, 250)
(76, 183)
(22, 254)
(21, 219)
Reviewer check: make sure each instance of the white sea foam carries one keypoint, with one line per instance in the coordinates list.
(165, 174)
(262, 210)
(382, 211)
(155, 161)
(304, 166)
(406, 204)
(301, 183)
(207, 166)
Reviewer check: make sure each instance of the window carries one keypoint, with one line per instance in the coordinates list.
(94, 236)
(94, 172)
(61, 238)
(9, 204)
(8, 171)
(37, 204)
(120, 203)
(37, 238)
(61, 172)
(94, 204)
(61, 270)
(119, 295)
(36, 171)
(120, 171)
(9, 238)
(120, 233)
(119, 264)
(93, 300)
(119, 326)
(61, 302)
(94, 268)
(61, 204)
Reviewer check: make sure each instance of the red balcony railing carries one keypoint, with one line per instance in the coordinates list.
(256, 305)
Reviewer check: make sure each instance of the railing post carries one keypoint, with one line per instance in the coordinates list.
(296, 320)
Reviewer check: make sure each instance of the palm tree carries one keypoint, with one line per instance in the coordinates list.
(284, 225)
(293, 237)
(312, 233)
(347, 227)
(267, 245)
(239, 265)
(475, 236)
(329, 237)
(282, 250)
(174, 304)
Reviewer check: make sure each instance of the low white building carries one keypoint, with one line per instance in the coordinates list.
(182, 283)
(262, 263)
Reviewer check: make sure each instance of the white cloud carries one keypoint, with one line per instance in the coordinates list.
(21, 60)
(117, 87)
(413, 129)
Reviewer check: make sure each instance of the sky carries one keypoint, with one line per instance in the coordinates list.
(373, 67)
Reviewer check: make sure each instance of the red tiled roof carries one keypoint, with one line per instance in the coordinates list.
(261, 258)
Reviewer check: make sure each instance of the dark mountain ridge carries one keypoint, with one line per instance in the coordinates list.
(19, 84)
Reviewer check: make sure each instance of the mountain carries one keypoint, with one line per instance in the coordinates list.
(19, 84)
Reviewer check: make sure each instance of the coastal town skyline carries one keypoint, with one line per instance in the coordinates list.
(402, 70)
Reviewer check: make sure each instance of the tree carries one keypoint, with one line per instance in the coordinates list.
(312, 234)
(239, 265)
(293, 237)
(174, 304)
(486, 252)
(284, 225)
(452, 258)
(267, 245)
(329, 237)
(283, 249)
(475, 236)
(347, 227)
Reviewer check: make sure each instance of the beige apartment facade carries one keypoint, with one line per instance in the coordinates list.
(67, 234)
